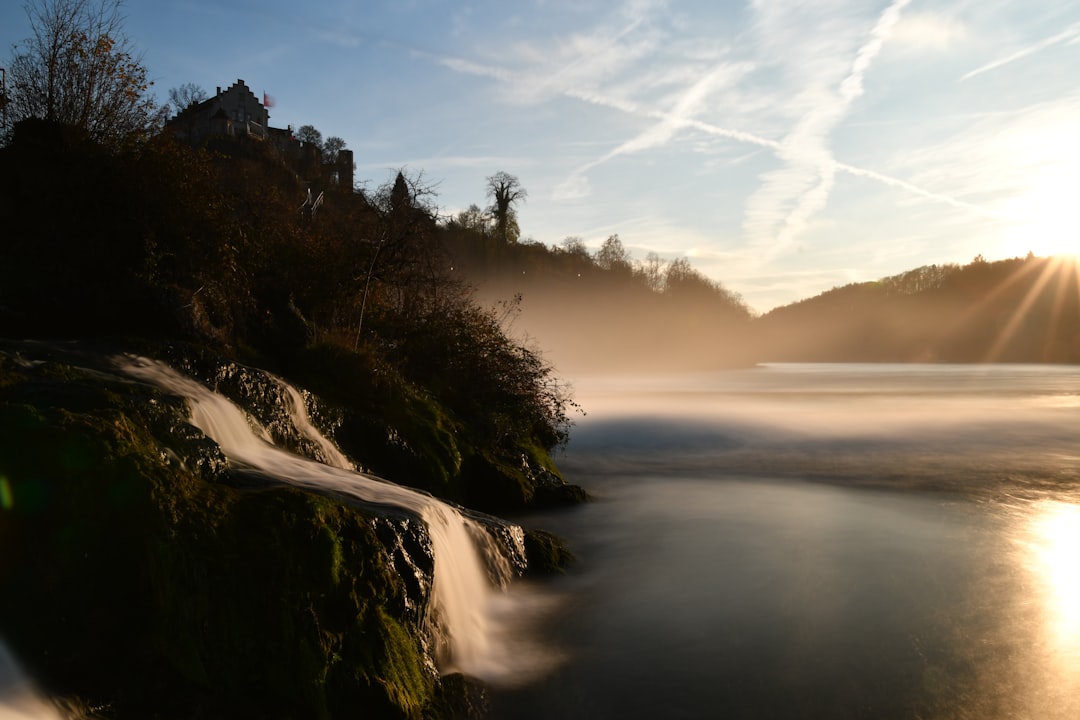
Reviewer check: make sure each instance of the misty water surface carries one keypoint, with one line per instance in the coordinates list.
(834, 541)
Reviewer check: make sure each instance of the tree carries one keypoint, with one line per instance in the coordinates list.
(613, 256)
(79, 69)
(331, 148)
(183, 97)
(652, 271)
(574, 245)
(402, 257)
(683, 282)
(506, 191)
(473, 218)
(308, 134)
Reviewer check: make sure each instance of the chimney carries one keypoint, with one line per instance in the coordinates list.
(218, 89)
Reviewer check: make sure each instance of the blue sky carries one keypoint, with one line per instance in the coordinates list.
(785, 147)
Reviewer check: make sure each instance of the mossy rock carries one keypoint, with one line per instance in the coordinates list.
(547, 553)
(137, 580)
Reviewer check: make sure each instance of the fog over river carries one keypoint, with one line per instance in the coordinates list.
(820, 541)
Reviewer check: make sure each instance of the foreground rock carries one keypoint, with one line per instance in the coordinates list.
(142, 575)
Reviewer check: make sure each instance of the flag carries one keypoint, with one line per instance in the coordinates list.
(267, 100)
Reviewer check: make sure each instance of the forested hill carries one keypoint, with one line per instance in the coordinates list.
(1020, 310)
(604, 312)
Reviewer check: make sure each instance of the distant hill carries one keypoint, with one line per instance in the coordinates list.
(604, 312)
(1024, 310)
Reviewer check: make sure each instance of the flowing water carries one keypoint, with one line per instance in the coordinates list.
(821, 541)
(19, 698)
(792, 541)
(471, 618)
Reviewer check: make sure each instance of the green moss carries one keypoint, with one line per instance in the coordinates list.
(546, 553)
(132, 580)
(392, 427)
(495, 484)
(401, 671)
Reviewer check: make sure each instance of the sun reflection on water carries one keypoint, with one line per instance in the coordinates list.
(1055, 545)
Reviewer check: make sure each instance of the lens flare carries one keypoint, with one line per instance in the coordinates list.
(1053, 294)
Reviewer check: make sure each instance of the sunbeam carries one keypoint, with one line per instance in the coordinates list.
(1052, 300)
(1023, 310)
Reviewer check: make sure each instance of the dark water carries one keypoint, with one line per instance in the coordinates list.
(821, 542)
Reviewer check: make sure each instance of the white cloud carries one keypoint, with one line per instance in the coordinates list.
(779, 211)
(574, 187)
(928, 30)
(783, 84)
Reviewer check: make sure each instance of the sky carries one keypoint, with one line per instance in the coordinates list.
(785, 147)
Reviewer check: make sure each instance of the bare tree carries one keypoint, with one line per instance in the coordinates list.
(505, 190)
(331, 148)
(652, 271)
(183, 97)
(79, 69)
(402, 256)
(574, 245)
(613, 256)
(309, 134)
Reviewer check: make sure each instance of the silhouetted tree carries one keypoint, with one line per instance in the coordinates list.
(472, 218)
(613, 256)
(185, 96)
(331, 148)
(652, 271)
(573, 245)
(308, 134)
(403, 262)
(506, 191)
(79, 69)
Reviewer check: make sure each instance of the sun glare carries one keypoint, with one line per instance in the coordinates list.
(1055, 545)
(1045, 218)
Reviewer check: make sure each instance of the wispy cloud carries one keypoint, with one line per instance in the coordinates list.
(469, 67)
(793, 84)
(1070, 33)
(780, 210)
(577, 184)
(657, 135)
(584, 58)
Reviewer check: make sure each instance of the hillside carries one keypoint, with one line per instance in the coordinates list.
(604, 312)
(1023, 310)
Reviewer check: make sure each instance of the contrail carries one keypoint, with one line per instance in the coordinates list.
(1070, 32)
(595, 98)
(809, 177)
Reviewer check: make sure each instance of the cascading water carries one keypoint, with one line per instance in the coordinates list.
(19, 699)
(466, 613)
(302, 422)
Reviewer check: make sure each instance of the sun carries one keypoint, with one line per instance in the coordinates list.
(1044, 217)
(1045, 220)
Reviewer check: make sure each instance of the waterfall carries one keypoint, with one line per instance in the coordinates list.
(466, 615)
(19, 699)
(302, 422)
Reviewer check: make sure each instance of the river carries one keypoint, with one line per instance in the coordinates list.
(819, 541)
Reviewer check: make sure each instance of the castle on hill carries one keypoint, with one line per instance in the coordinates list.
(238, 112)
